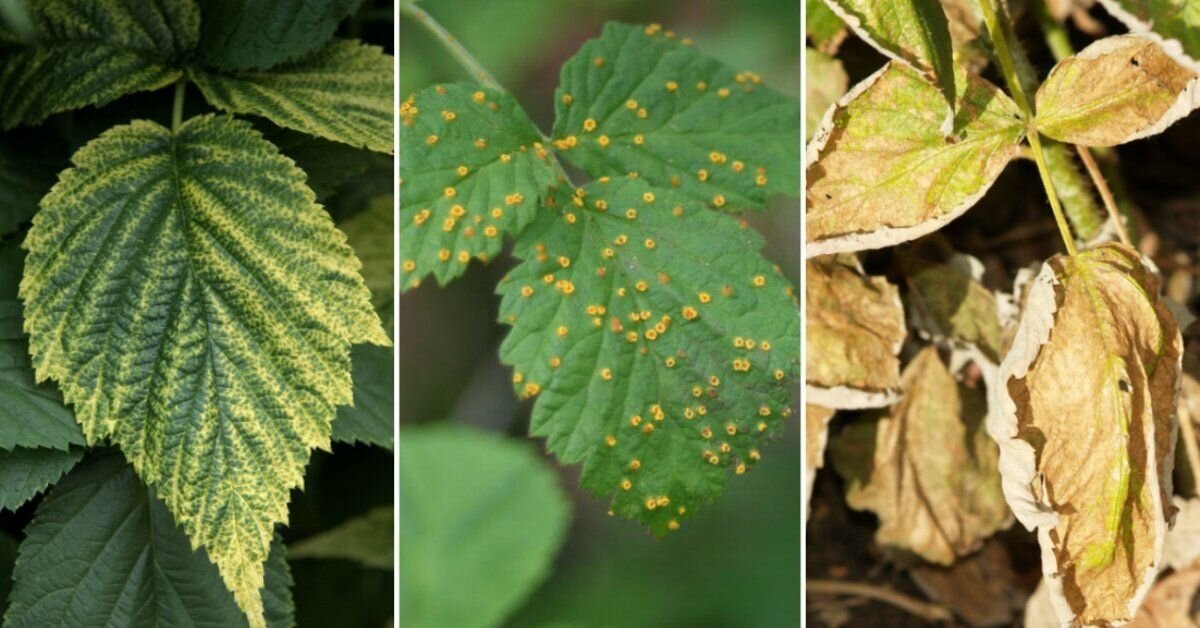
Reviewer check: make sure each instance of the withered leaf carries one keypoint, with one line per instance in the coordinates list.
(952, 301)
(816, 435)
(879, 170)
(825, 81)
(982, 588)
(854, 326)
(1084, 419)
(926, 466)
(1114, 91)
(1173, 601)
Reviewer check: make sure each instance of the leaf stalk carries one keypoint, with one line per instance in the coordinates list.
(177, 109)
(448, 41)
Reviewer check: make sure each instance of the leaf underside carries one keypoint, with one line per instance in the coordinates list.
(658, 341)
(882, 172)
(91, 53)
(342, 93)
(677, 118)
(473, 170)
(199, 319)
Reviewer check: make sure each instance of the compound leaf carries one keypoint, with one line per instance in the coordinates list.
(913, 31)
(926, 467)
(1177, 24)
(239, 35)
(517, 532)
(658, 341)
(27, 471)
(854, 327)
(825, 82)
(342, 93)
(102, 545)
(637, 100)
(880, 171)
(1086, 399)
(366, 539)
(200, 319)
(91, 53)
(473, 171)
(369, 420)
(1116, 90)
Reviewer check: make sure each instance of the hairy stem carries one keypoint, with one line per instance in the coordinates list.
(456, 50)
(1102, 186)
(1005, 58)
(177, 108)
(928, 612)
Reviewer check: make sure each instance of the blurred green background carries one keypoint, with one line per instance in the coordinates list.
(737, 562)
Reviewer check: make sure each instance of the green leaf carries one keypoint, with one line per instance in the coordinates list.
(881, 172)
(201, 319)
(473, 171)
(27, 471)
(341, 93)
(1116, 90)
(92, 54)
(369, 420)
(823, 27)
(478, 513)
(653, 331)
(25, 177)
(31, 414)
(913, 31)
(240, 35)
(677, 118)
(950, 301)
(103, 550)
(825, 82)
(371, 234)
(1176, 23)
(327, 164)
(366, 539)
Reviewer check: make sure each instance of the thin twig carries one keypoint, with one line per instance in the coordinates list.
(1187, 432)
(925, 610)
(1110, 204)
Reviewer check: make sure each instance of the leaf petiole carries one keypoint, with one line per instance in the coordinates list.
(177, 109)
(456, 50)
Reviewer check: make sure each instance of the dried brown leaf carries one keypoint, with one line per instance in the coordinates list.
(982, 588)
(1086, 399)
(816, 435)
(951, 301)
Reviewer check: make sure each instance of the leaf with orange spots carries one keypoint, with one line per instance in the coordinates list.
(926, 466)
(639, 100)
(658, 342)
(472, 168)
(1085, 422)
(881, 172)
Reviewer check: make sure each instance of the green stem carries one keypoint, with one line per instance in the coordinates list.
(1005, 58)
(456, 50)
(177, 110)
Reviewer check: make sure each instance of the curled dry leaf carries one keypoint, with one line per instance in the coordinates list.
(926, 466)
(950, 300)
(816, 434)
(1085, 401)
(1175, 24)
(1173, 601)
(1116, 90)
(880, 172)
(1182, 547)
(982, 588)
(854, 326)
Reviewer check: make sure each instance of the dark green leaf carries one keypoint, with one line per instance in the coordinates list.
(369, 420)
(242, 35)
(27, 471)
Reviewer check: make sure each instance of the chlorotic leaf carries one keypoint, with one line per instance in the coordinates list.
(342, 93)
(199, 319)
(239, 35)
(1085, 423)
(473, 171)
(516, 533)
(823, 27)
(853, 329)
(92, 54)
(102, 545)
(816, 435)
(638, 100)
(825, 82)
(24, 179)
(952, 303)
(1176, 24)
(27, 471)
(1116, 90)
(32, 414)
(915, 32)
(658, 341)
(926, 467)
(327, 164)
(366, 539)
(369, 419)
(880, 172)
